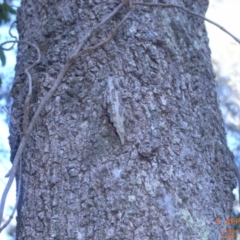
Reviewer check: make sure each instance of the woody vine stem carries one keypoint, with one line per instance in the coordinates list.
(79, 51)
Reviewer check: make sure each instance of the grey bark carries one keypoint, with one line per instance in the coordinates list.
(132, 144)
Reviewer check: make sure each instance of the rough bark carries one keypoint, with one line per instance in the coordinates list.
(132, 144)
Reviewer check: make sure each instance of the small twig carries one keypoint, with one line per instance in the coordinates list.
(10, 29)
(105, 41)
(187, 11)
(29, 95)
(19, 178)
(17, 200)
(12, 173)
(10, 48)
(7, 49)
(128, 3)
(94, 29)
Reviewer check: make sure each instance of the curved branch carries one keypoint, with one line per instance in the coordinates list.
(189, 12)
(94, 29)
(105, 41)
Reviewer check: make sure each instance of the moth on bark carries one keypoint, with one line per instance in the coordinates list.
(114, 105)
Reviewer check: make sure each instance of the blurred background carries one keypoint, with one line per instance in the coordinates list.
(225, 60)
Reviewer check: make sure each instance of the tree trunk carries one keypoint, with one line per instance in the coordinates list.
(131, 145)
